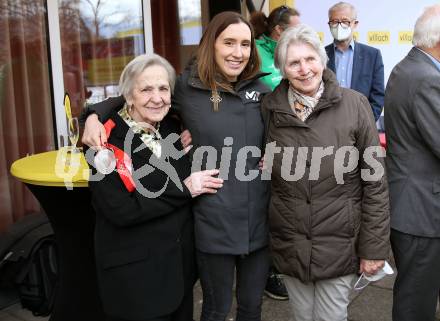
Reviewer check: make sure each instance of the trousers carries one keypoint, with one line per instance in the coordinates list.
(417, 284)
(216, 272)
(323, 300)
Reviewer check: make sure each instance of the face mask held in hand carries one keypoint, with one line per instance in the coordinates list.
(364, 280)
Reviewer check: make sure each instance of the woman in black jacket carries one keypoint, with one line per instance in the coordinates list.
(144, 239)
(218, 99)
(220, 105)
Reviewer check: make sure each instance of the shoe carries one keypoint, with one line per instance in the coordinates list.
(275, 288)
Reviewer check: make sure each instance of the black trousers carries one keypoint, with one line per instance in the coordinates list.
(417, 284)
(216, 272)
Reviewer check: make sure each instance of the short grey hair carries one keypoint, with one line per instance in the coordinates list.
(427, 28)
(343, 5)
(300, 34)
(135, 67)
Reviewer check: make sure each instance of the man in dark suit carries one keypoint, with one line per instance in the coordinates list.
(357, 66)
(412, 121)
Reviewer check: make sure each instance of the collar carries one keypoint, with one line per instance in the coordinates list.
(435, 61)
(137, 129)
(267, 42)
(278, 99)
(194, 80)
(350, 46)
(150, 139)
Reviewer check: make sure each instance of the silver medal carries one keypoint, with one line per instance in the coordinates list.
(105, 161)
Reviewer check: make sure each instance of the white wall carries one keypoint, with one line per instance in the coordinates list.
(377, 17)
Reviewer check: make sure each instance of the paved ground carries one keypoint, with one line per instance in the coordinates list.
(371, 304)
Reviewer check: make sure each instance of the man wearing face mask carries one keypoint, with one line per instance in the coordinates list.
(357, 66)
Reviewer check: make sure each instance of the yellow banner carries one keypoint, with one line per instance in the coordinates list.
(128, 33)
(356, 36)
(106, 71)
(405, 37)
(276, 3)
(378, 37)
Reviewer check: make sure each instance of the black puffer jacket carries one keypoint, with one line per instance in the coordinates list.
(234, 220)
(319, 228)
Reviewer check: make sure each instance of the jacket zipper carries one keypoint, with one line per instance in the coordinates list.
(309, 197)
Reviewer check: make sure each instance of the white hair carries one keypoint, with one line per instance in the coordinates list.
(427, 28)
(343, 5)
(300, 34)
(135, 67)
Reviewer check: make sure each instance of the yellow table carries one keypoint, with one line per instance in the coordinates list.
(58, 180)
(54, 168)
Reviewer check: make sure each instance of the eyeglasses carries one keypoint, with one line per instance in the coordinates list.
(344, 23)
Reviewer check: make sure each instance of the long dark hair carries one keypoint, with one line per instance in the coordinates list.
(209, 72)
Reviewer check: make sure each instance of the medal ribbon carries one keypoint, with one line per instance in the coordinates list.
(123, 161)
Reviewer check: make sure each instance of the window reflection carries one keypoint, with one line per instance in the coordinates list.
(190, 17)
(98, 38)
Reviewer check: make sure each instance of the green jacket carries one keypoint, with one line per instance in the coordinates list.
(266, 49)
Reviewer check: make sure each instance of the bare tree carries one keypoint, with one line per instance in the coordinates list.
(100, 20)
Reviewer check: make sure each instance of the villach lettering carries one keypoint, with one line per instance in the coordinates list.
(378, 37)
(405, 37)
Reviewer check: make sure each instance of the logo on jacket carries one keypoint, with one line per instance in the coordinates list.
(253, 95)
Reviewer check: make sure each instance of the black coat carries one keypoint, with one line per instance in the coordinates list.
(144, 246)
(234, 220)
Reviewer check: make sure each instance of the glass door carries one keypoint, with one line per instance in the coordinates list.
(91, 42)
(47, 48)
(98, 38)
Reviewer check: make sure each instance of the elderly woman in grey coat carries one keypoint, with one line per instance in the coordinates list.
(329, 212)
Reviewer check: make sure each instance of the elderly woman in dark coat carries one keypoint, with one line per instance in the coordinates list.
(218, 98)
(329, 212)
(144, 237)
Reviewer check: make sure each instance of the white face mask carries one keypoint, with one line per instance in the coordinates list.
(364, 280)
(340, 33)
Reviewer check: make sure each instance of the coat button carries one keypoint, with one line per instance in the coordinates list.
(308, 237)
(308, 201)
(308, 164)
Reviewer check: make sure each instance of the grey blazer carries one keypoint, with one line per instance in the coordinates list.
(412, 122)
